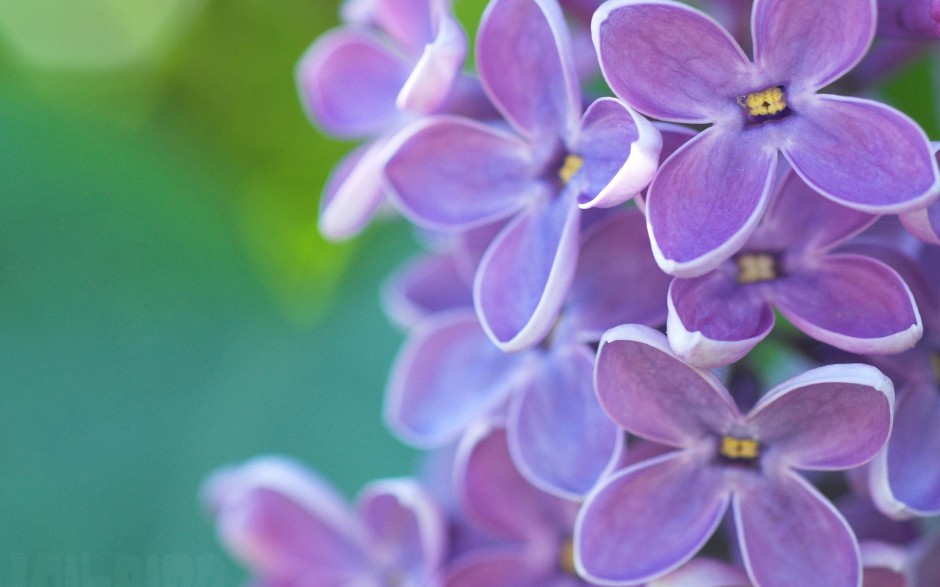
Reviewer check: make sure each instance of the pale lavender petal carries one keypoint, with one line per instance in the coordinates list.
(906, 476)
(446, 375)
(452, 173)
(648, 519)
(436, 71)
(525, 61)
(714, 320)
(496, 497)
(654, 395)
(471, 245)
(852, 302)
(704, 572)
(791, 535)
(525, 274)
(621, 151)
(409, 23)
(700, 208)
(924, 223)
(909, 19)
(284, 521)
(426, 285)
(869, 523)
(497, 567)
(832, 417)
(617, 280)
(799, 219)
(807, 44)
(353, 192)
(560, 438)
(862, 154)
(348, 81)
(669, 61)
(408, 528)
(885, 565)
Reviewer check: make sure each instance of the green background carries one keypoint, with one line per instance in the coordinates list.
(166, 304)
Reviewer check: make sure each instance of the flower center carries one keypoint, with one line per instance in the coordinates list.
(769, 104)
(754, 267)
(571, 166)
(739, 449)
(566, 557)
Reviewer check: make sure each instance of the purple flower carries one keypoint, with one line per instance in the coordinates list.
(848, 300)
(649, 518)
(909, 19)
(449, 374)
(674, 63)
(533, 528)
(451, 173)
(292, 529)
(925, 223)
(396, 60)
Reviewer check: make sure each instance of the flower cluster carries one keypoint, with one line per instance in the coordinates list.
(578, 362)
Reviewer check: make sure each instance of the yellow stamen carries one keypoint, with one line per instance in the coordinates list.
(756, 267)
(765, 103)
(571, 166)
(566, 557)
(739, 448)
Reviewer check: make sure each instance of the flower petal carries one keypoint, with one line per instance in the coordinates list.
(852, 302)
(651, 393)
(648, 519)
(525, 61)
(667, 60)
(452, 173)
(807, 44)
(409, 23)
(714, 321)
(353, 192)
(496, 567)
(525, 274)
(701, 208)
(437, 70)
(426, 285)
(791, 535)
(862, 154)
(704, 572)
(832, 417)
(446, 375)
(621, 151)
(348, 81)
(560, 438)
(615, 254)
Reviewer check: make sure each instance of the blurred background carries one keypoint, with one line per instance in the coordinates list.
(166, 304)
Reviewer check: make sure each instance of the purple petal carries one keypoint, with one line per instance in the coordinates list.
(453, 173)
(700, 207)
(906, 476)
(832, 417)
(909, 19)
(284, 521)
(447, 374)
(437, 70)
(348, 81)
(669, 61)
(615, 254)
(852, 302)
(885, 565)
(862, 154)
(713, 320)
(924, 223)
(353, 192)
(560, 438)
(409, 23)
(791, 535)
(525, 274)
(704, 572)
(495, 496)
(621, 153)
(426, 285)
(648, 519)
(497, 567)
(525, 60)
(652, 394)
(808, 44)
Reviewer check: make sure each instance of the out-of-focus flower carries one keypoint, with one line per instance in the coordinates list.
(649, 518)
(674, 63)
(925, 223)
(909, 19)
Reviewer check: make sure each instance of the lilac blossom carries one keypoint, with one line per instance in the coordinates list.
(449, 374)
(848, 300)
(393, 61)
(531, 529)
(909, 19)
(452, 173)
(651, 517)
(925, 223)
(293, 530)
(674, 63)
